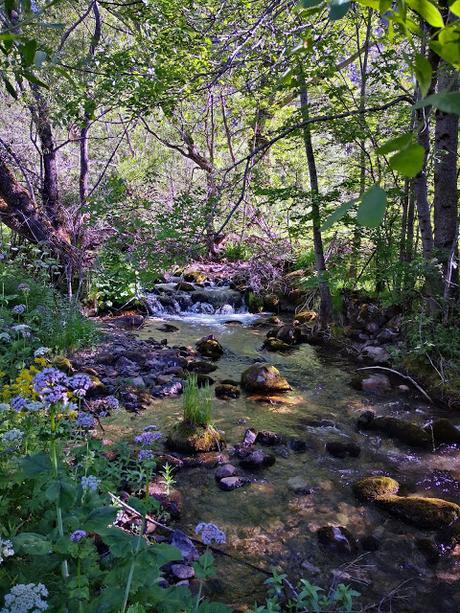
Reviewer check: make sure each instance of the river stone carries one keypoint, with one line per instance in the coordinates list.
(443, 431)
(194, 276)
(264, 378)
(201, 367)
(299, 486)
(249, 438)
(185, 286)
(210, 347)
(231, 483)
(404, 431)
(190, 438)
(429, 513)
(224, 471)
(370, 488)
(275, 344)
(297, 445)
(338, 539)
(289, 334)
(167, 328)
(127, 321)
(342, 449)
(258, 459)
(184, 544)
(376, 384)
(182, 571)
(225, 390)
(304, 317)
(265, 437)
(379, 355)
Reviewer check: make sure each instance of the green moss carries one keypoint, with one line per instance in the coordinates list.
(430, 513)
(186, 437)
(370, 488)
(264, 378)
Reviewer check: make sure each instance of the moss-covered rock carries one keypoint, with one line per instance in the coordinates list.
(226, 390)
(275, 344)
(186, 437)
(304, 317)
(430, 513)
(443, 431)
(210, 347)
(264, 378)
(184, 286)
(194, 276)
(370, 488)
(404, 431)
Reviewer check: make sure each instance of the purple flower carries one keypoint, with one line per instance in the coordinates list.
(210, 533)
(79, 393)
(111, 403)
(90, 483)
(80, 382)
(78, 535)
(23, 287)
(18, 403)
(147, 438)
(144, 455)
(19, 309)
(54, 394)
(49, 384)
(85, 420)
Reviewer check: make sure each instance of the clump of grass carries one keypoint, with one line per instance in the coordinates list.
(197, 402)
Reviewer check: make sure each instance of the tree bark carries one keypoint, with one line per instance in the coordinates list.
(325, 312)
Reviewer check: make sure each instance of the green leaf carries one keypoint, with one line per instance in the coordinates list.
(339, 212)
(395, 144)
(100, 518)
(62, 491)
(448, 102)
(32, 544)
(454, 7)
(447, 45)
(28, 50)
(307, 4)
(34, 465)
(10, 88)
(408, 161)
(372, 209)
(338, 9)
(424, 73)
(428, 11)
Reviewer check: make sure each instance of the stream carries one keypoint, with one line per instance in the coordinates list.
(267, 523)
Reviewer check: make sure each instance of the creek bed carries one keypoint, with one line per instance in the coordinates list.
(269, 525)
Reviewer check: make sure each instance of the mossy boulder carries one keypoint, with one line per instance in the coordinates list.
(64, 364)
(304, 317)
(370, 488)
(184, 286)
(443, 431)
(201, 366)
(404, 431)
(275, 344)
(264, 378)
(429, 513)
(186, 437)
(225, 390)
(210, 347)
(194, 276)
(289, 334)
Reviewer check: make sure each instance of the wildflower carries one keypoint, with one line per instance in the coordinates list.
(111, 403)
(23, 329)
(145, 455)
(90, 483)
(78, 535)
(6, 549)
(19, 309)
(24, 288)
(210, 533)
(2, 256)
(25, 597)
(18, 403)
(151, 427)
(13, 437)
(147, 438)
(80, 382)
(41, 351)
(34, 405)
(4, 406)
(85, 420)
(49, 384)
(4, 336)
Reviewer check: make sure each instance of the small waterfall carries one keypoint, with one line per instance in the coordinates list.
(167, 299)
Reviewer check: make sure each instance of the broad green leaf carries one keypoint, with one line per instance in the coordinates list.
(62, 491)
(31, 544)
(447, 44)
(423, 72)
(372, 208)
(428, 11)
(448, 102)
(455, 7)
(395, 144)
(310, 3)
(339, 212)
(28, 50)
(338, 9)
(33, 465)
(100, 518)
(408, 161)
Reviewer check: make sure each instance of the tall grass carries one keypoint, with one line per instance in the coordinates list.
(197, 402)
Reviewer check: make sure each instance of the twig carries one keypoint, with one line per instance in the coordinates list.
(406, 377)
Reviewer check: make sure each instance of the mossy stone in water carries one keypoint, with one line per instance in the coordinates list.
(210, 347)
(264, 378)
(429, 513)
(402, 430)
(186, 437)
(443, 431)
(275, 344)
(370, 488)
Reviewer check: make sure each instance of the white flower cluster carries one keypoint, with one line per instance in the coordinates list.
(41, 351)
(26, 597)
(6, 549)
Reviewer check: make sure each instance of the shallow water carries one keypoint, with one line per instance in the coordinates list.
(269, 525)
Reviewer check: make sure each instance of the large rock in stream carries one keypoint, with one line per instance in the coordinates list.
(264, 378)
(210, 347)
(429, 513)
(404, 431)
(190, 438)
(369, 489)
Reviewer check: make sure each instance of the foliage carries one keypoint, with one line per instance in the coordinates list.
(197, 402)
(235, 252)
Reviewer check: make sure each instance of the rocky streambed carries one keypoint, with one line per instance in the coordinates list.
(319, 478)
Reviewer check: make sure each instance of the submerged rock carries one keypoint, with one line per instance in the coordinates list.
(342, 449)
(127, 321)
(430, 513)
(443, 431)
(225, 390)
(194, 276)
(338, 539)
(227, 484)
(190, 438)
(249, 438)
(264, 378)
(289, 334)
(299, 486)
(184, 544)
(370, 488)
(201, 367)
(257, 459)
(224, 471)
(404, 431)
(210, 347)
(265, 437)
(275, 344)
(376, 384)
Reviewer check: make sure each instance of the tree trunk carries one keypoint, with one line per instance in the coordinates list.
(325, 313)
(445, 202)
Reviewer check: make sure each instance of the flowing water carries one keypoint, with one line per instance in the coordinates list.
(270, 526)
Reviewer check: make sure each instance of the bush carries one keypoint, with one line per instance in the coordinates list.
(235, 252)
(197, 402)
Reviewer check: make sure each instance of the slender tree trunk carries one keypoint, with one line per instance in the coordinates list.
(325, 313)
(445, 202)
